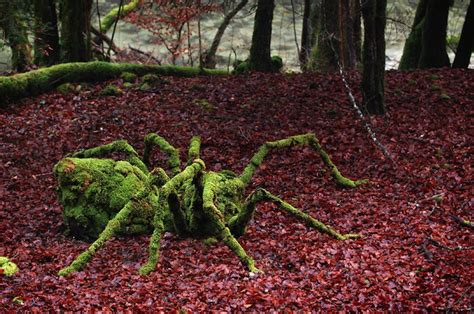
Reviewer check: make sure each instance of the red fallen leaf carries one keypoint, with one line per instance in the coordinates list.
(33, 137)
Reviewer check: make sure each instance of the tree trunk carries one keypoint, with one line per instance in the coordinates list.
(323, 57)
(433, 51)
(13, 24)
(210, 54)
(347, 46)
(46, 46)
(466, 42)
(336, 39)
(46, 79)
(75, 32)
(412, 48)
(305, 36)
(357, 30)
(374, 56)
(315, 25)
(260, 58)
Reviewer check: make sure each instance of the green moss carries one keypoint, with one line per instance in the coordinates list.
(444, 96)
(128, 77)
(128, 85)
(111, 90)
(152, 140)
(304, 140)
(241, 67)
(412, 48)
(66, 88)
(7, 267)
(103, 197)
(277, 63)
(204, 104)
(145, 87)
(45, 79)
(93, 190)
(109, 19)
(150, 78)
(435, 87)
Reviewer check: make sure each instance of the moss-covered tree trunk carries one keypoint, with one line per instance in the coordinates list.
(75, 30)
(260, 58)
(323, 57)
(466, 42)
(337, 37)
(46, 45)
(209, 60)
(373, 72)
(13, 23)
(412, 48)
(433, 50)
(46, 79)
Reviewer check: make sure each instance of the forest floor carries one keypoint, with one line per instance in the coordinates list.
(405, 213)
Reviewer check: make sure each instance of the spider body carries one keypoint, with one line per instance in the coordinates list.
(103, 197)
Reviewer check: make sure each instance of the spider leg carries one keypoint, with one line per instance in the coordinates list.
(156, 178)
(111, 229)
(152, 140)
(304, 140)
(238, 223)
(223, 232)
(164, 195)
(194, 149)
(116, 146)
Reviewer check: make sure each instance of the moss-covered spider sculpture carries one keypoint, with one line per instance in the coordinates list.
(103, 197)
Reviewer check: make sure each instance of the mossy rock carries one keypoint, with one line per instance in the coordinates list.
(277, 63)
(145, 87)
(66, 88)
(128, 77)
(128, 85)
(241, 67)
(7, 267)
(150, 78)
(111, 90)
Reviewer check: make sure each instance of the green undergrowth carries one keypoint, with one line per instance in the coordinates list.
(46, 79)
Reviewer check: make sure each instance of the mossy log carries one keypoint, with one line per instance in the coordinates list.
(46, 79)
(103, 197)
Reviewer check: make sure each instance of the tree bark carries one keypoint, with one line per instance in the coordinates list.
(305, 36)
(15, 29)
(324, 58)
(75, 32)
(374, 56)
(260, 58)
(46, 45)
(336, 41)
(413, 44)
(210, 54)
(433, 50)
(466, 42)
(357, 30)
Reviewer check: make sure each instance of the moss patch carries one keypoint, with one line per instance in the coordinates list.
(111, 90)
(7, 267)
(128, 77)
(66, 88)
